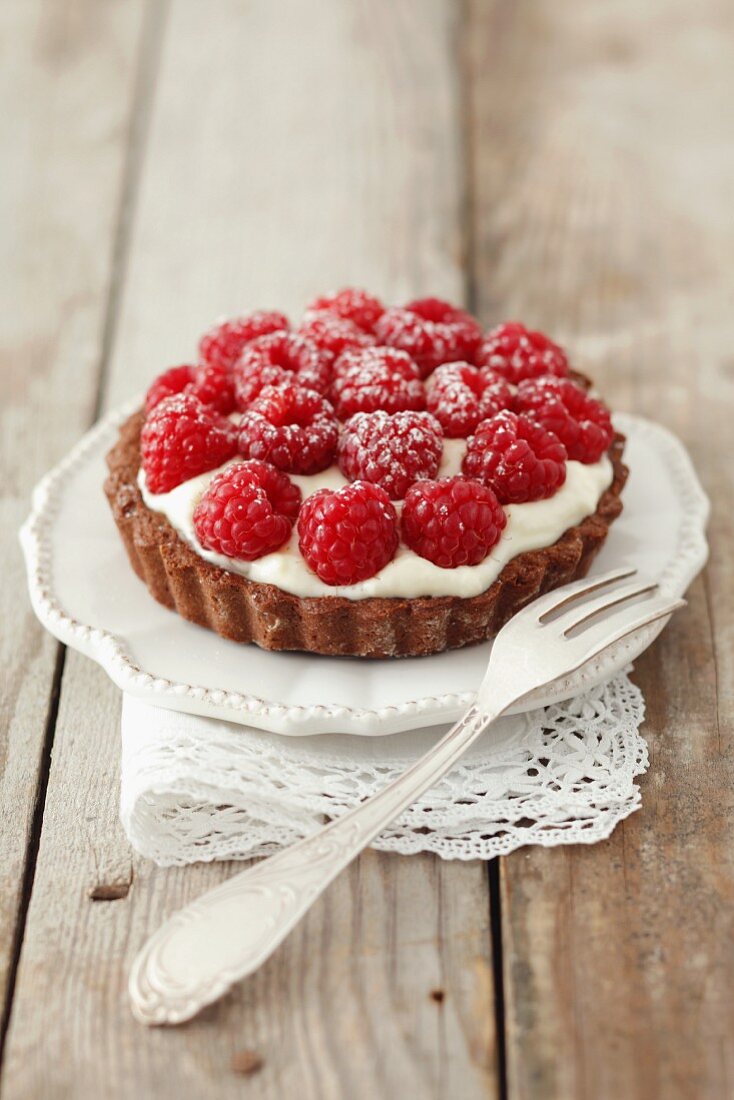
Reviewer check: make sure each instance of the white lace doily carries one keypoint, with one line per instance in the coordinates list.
(199, 789)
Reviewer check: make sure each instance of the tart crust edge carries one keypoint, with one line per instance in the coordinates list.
(247, 611)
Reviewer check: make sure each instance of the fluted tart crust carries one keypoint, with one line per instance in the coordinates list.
(247, 611)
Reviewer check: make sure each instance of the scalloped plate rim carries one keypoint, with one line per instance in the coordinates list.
(109, 650)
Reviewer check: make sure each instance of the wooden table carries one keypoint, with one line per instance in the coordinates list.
(569, 164)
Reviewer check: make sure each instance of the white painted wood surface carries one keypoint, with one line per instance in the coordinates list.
(570, 164)
(63, 150)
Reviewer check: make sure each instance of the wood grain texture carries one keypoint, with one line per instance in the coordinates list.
(327, 150)
(603, 170)
(62, 145)
(281, 148)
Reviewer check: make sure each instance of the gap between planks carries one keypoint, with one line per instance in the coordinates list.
(34, 841)
(148, 54)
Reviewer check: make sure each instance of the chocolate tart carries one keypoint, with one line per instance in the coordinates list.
(246, 611)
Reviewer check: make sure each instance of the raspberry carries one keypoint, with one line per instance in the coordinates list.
(333, 335)
(246, 511)
(293, 428)
(182, 438)
(172, 381)
(515, 457)
(391, 451)
(357, 306)
(517, 353)
(376, 378)
(582, 424)
(222, 345)
(211, 385)
(460, 395)
(251, 379)
(278, 358)
(348, 535)
(453, 521)
(214, 387)
(431, 331)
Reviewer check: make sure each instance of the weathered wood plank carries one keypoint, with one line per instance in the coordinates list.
(66, 87)
(603, 174)
(303, 146)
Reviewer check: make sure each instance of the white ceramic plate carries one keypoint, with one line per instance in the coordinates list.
(84, 591)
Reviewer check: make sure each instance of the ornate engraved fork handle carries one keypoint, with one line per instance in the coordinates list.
(217, 940)
(229, 932)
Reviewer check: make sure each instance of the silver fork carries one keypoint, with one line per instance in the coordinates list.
(230, 931)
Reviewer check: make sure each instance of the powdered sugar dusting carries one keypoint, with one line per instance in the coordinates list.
(391, 451)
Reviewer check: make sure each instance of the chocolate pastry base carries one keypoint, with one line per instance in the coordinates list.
(246, 611)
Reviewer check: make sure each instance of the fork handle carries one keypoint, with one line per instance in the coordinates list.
(226, 934)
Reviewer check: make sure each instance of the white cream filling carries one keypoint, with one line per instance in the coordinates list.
(529, 527)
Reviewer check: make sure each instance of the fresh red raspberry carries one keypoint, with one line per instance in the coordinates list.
(222, 345)
(333, 335)
(431, 331)
(278, 358)
(214, 387)
(517, 353)
(376, 378)
(348, 535)
(293, 428)
(357, 306)
(516, 457)
(246, 511)
(459, 396)
(182, 438)
(173, 380)
(453, 521)
(211, 385)
(391, 451)
(252, 378)
(283, 494)
(583, 424)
